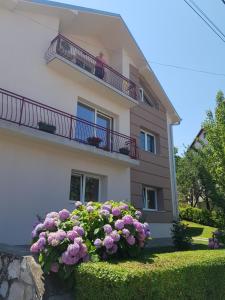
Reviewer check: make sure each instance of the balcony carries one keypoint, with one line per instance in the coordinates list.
(36, 115)
(79, 58)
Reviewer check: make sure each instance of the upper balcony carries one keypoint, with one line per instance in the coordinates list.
(84, 62)
(45, 122)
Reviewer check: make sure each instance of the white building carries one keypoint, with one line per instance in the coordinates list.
(53, 105)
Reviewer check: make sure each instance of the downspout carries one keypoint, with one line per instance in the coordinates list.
(172, 169)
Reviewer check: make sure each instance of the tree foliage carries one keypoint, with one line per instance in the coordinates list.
(201, 172)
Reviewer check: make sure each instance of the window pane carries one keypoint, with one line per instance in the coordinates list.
(151, 199)
(91, 189)
(101, 133)
(75, 186)
(150, 143)
(83, 131)
(147, 101)
(142, 140)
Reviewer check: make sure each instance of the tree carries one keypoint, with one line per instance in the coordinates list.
(214, 151)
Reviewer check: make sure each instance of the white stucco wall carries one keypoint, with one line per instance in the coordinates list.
(35, 179)
(34, 176)
(24, 71)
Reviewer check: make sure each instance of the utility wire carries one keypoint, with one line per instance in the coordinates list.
(208, 24)
(187, 68)
(208, 19)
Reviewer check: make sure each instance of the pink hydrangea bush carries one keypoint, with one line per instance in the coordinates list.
(93, 231)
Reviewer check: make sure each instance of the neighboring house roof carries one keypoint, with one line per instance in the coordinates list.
(197, 137)
(145, 68)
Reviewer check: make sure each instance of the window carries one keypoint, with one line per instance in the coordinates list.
(84, 187)
(147, 141)
(149, 198)
(85, 130)
(145, 98)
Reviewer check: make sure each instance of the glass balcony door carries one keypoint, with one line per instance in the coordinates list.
(87, 131)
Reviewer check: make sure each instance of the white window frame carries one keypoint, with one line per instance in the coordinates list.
(96, 113)
(142, 94)
(83, 177)
(146, 133)
(145, 193)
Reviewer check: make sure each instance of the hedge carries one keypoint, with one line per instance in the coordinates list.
(202, 216)
(198, 274)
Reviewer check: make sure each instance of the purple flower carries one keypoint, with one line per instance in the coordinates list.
(54, 267)
(131, 240)
(138, 213)
(98, 243)
(72, 235)
(119, 224)
(107, 228)
(64, 214)
(125, 232)
(41, 243)
(78, 240)
(49, 223)
(78, 204)
(128, 220)
(148, 233)
(42, 234)
(108, 242)
(104, 212)
(138, 226)
(113, 250)
(124, 207)
(146, 226)
(115, 236)
(107, 207)
(83, 250)
(67, 259)
(73, 249)
(34, 248)
(52, 215)
(79, 230)
(60, 235)
(90, 209)
(116, 211)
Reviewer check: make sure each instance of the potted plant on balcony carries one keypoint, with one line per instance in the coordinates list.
(46, 127)
(124, 150)
(66, 50)
(94, 141)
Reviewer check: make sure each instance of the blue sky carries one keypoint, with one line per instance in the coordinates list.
(170, 32)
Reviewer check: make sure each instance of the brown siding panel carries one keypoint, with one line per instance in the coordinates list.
(154, 168)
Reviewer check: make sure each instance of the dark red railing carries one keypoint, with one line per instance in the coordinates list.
(83, 59)
(26, 112)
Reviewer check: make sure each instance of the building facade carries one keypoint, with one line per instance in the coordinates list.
(74, 125)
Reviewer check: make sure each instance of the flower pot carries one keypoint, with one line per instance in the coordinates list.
(94, 141)
(47, 127)
(124, 150)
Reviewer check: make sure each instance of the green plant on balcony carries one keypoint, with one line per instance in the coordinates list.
(124, 150)
(94, 141)
(46, 127)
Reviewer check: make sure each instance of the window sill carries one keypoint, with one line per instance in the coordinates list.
(154, 210)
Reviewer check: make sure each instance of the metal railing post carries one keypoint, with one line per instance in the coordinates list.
(21, 111)
(71, 120)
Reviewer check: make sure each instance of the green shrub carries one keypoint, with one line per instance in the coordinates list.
(195, 275)
(181, 238)
(213, 218)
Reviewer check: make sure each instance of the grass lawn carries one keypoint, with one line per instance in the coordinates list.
(198, 230)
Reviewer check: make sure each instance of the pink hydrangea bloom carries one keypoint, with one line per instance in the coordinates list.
(125, 232)
(73, 249)
(49, 223)
(128, 220)
(90, 209)
(107, 228)
(72, 234)
(115, 236)
(64, 214)
(79, 230)
(119, 224)
(116, 211)
(131, 240)
(108, 242)
(98, 243)
(124, 207)
(113, 250)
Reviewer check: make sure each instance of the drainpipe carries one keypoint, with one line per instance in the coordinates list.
(172, 169)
